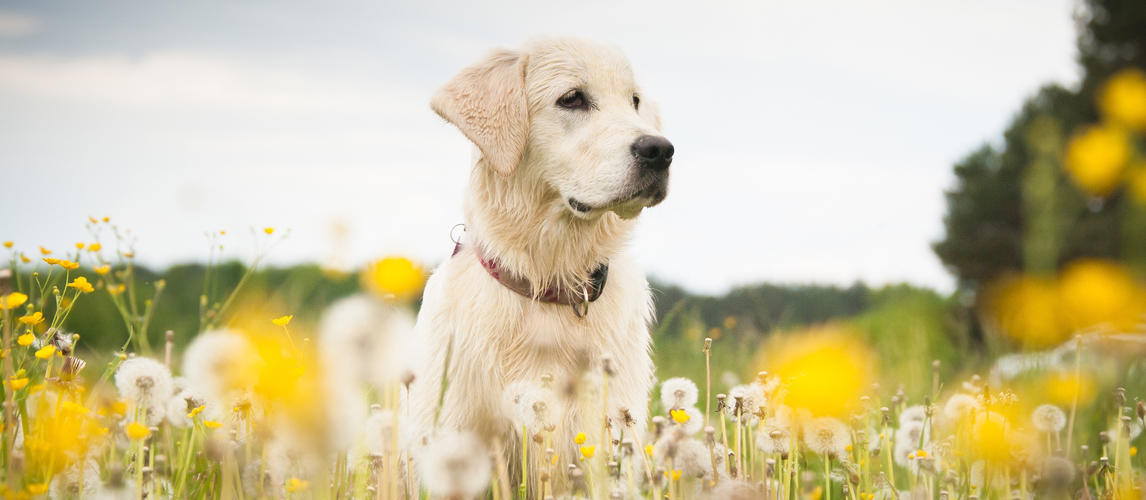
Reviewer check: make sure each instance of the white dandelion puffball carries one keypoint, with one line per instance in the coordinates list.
(907, 441)
(960, 406)
(366, 340)
(456, 465)
(751, 399)
(915, 413)
(827, 436)
(695, 420)
(182, 404)
(221, 361)
(678, 392)
(1049, 418)
(530, 406)
(75, 478)
(144, 382)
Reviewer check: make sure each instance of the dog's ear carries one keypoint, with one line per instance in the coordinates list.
(487, 103)
(650, 111)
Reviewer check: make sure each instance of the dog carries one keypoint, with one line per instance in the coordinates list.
(540, 288)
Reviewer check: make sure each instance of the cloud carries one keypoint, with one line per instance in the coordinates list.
(189, 80)
(13, 25)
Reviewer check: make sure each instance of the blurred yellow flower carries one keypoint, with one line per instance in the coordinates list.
(295, 485)
(283, 321)
(211, 424)
(673, 475)
(1060, 388)
(24, 258)
(269, 230)
(46, 352)
(1095, 292)
(649, 449)
(26, 339)
(51, 261)
(32, 319)
(1122, 99)
(395, 277)
(79, 246)
(1026, 308)
(18, 383)
(45, 251)
(588, 451)
(8, 244)
(102, 270)
(69, 265)
(38, 488)
(196, 411)
(136, 431)
(94, 247)
(74, 408)
(106, 219)
(1095, 158)
(579, 438)
(14, 300)
(81, 284)
(823, 369)
(1136, 182)
(93, 220)
(679, 416)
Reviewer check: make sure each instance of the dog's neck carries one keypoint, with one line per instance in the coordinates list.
(523, 223)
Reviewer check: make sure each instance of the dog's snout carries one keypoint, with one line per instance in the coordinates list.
(654, 152)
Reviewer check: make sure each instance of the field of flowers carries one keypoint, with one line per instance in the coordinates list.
(259, 407)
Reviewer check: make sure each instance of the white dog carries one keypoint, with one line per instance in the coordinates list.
(540, 287)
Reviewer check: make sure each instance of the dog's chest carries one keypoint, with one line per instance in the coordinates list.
(549, 340)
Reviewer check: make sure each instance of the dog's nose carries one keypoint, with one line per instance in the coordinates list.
(654, 152)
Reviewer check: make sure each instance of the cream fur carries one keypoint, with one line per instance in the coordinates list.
(520, 214)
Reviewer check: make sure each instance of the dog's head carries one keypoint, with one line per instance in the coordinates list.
(571, 109)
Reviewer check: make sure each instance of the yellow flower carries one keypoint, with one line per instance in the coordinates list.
(679, 416)
(102, 270)
(649, 449)
(26, 339)
(46, 352)
(269, 230)
(32, 319)
(38, 488)
(1095, 158)
(1094, 292)
(51, 261)
(825, 368)
(283, 320)
(69, 265)
(106, 219)
(18, 383)
(1133, 451)
(1027, 308)
(79, 246)
(24, 258)
(94, 247)
(14, 300)
(116, 290)
(45, 251)
(81, 284)
(1122, 99)
(673, 475)
(7, 244)
(196, 411)
(921, 453)
(588, 451)
(295, 485)
(579, 438)
(1060, 388)
(136, 431)
(211, 424)
(394, 277)
(74, 408)
(93, 220)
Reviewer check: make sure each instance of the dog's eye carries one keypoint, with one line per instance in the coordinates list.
(636, 103)
(574, 99)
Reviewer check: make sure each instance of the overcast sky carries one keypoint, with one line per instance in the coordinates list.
(814, 139)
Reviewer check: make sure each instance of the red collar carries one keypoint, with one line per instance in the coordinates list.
(578, 297)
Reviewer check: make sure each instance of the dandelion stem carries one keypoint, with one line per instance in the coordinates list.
(1074, 399)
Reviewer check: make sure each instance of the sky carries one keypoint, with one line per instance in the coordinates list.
(814, 139)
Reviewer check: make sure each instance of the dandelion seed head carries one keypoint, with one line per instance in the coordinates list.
(678, 392)
(455, 465)
(960, 406)
(907, 441)
(221, 361)
(179, 406)
(68, 484)
(827, 436)
(146, 383)
(531, 406)
(365, 340)
(1049, 418)
(916, 413)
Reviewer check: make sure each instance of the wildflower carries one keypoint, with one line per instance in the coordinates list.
(1049, 418)
(221, 361)
(283, 321)
(678, 392)
(94, 247)
(456, 466)
(1027, 308)
(81, 284)
(74, 408)
(188, 404)
(211, 424)
(32, 319)
(679, 416)
(102, 270)
(136, 431)
(46, 352)
(649, 449)
(588, 451)
(51, 261)
(13, 300)
(916, 413)
(18, 383)
(146, 383)
(294, 484)
(37, 489)
(827, 436)
(1095, 158)
(1094, 292)
(960, 406)
(825, 369)
(269, 230)
(69, 265)
(8, 244)
(73, 479)
(774, 435)
(672, 475)
(45, 251)
(1122, 98)
(24, 258)
(394, 277)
